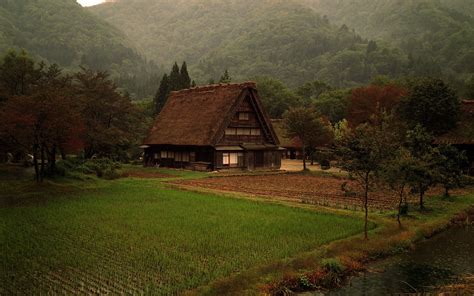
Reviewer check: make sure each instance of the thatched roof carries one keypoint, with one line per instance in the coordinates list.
(464, 133)
(285, 141)
(196, 116)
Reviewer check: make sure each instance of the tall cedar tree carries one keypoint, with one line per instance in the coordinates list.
(363, 153)
(176, 80)
(432, 104)
(225, 78)
(184, 77)
(162, 94)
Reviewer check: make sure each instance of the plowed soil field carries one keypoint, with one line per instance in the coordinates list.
(326, 191)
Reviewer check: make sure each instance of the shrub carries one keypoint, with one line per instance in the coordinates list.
(102, 168)
(111, 174)
(325, 164)
(332, 265)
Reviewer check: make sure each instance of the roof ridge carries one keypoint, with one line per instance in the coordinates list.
(210, 87)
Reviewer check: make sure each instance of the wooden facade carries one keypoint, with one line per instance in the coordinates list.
(213, 128)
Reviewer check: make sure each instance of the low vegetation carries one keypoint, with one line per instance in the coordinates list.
(136, 236)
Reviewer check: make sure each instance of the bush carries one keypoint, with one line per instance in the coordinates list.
(325, 164)
(102, 168)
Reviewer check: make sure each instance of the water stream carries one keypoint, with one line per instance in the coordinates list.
(436, 261)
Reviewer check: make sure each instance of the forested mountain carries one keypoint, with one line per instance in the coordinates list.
(63, 32)
(437, 35)
(283, 39)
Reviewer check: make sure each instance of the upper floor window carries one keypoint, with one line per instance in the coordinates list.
(243, 116)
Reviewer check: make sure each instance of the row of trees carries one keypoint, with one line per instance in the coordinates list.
(46, 112)
(388, 138)
(177, 79)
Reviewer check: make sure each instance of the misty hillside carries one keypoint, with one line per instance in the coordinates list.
(63, 32)
(284, 39)
(293, 42)
(439, 31)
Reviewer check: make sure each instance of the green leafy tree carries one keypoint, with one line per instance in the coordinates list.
(397, 172)
(312, 90)
(432, 104)
(19, 73)
(419, 142)
(363, 154)
(307, 125)
(276, 97)
(110, 119)
(450, 164)
(333, 104)
(341, 130)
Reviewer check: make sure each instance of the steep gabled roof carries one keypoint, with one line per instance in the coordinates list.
(196, 116)
(464, 133)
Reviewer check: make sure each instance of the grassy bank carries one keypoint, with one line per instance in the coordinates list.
(137, 236)
(311, 271)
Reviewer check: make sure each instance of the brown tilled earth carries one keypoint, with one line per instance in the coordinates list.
(320, 190)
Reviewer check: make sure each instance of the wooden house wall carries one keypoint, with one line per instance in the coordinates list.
(251, 123)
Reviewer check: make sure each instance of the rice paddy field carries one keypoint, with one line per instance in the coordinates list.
(137, 236)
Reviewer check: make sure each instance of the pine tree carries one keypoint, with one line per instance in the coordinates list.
(225, 78)
(162, 94)
(174, 78)
(185, 79)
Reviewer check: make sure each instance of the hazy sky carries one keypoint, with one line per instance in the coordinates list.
(89, 2)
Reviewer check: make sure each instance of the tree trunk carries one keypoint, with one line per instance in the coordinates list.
(400, 208)
(312, 158)
(422, 193)
(35, 162)
(304, 158)
(42, 163)
(446, 191)
(63, 154)
(52, 164)
(366, 206)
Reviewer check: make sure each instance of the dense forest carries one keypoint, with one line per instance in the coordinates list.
(344, 43)
(437, 35)
(63, 32)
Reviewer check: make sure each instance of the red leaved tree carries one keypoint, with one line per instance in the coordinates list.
(365, 102)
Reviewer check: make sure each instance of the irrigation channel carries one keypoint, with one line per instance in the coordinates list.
(437, 261)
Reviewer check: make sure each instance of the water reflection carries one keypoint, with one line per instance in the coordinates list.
(436, 261)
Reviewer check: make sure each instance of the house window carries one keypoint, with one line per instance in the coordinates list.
(243, 131)
(243, 116)
(231, 158)
(226, 158)
(231, 131)
(255, 132)
(155, 156)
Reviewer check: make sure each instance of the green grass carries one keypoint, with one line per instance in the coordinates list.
(134, 236)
